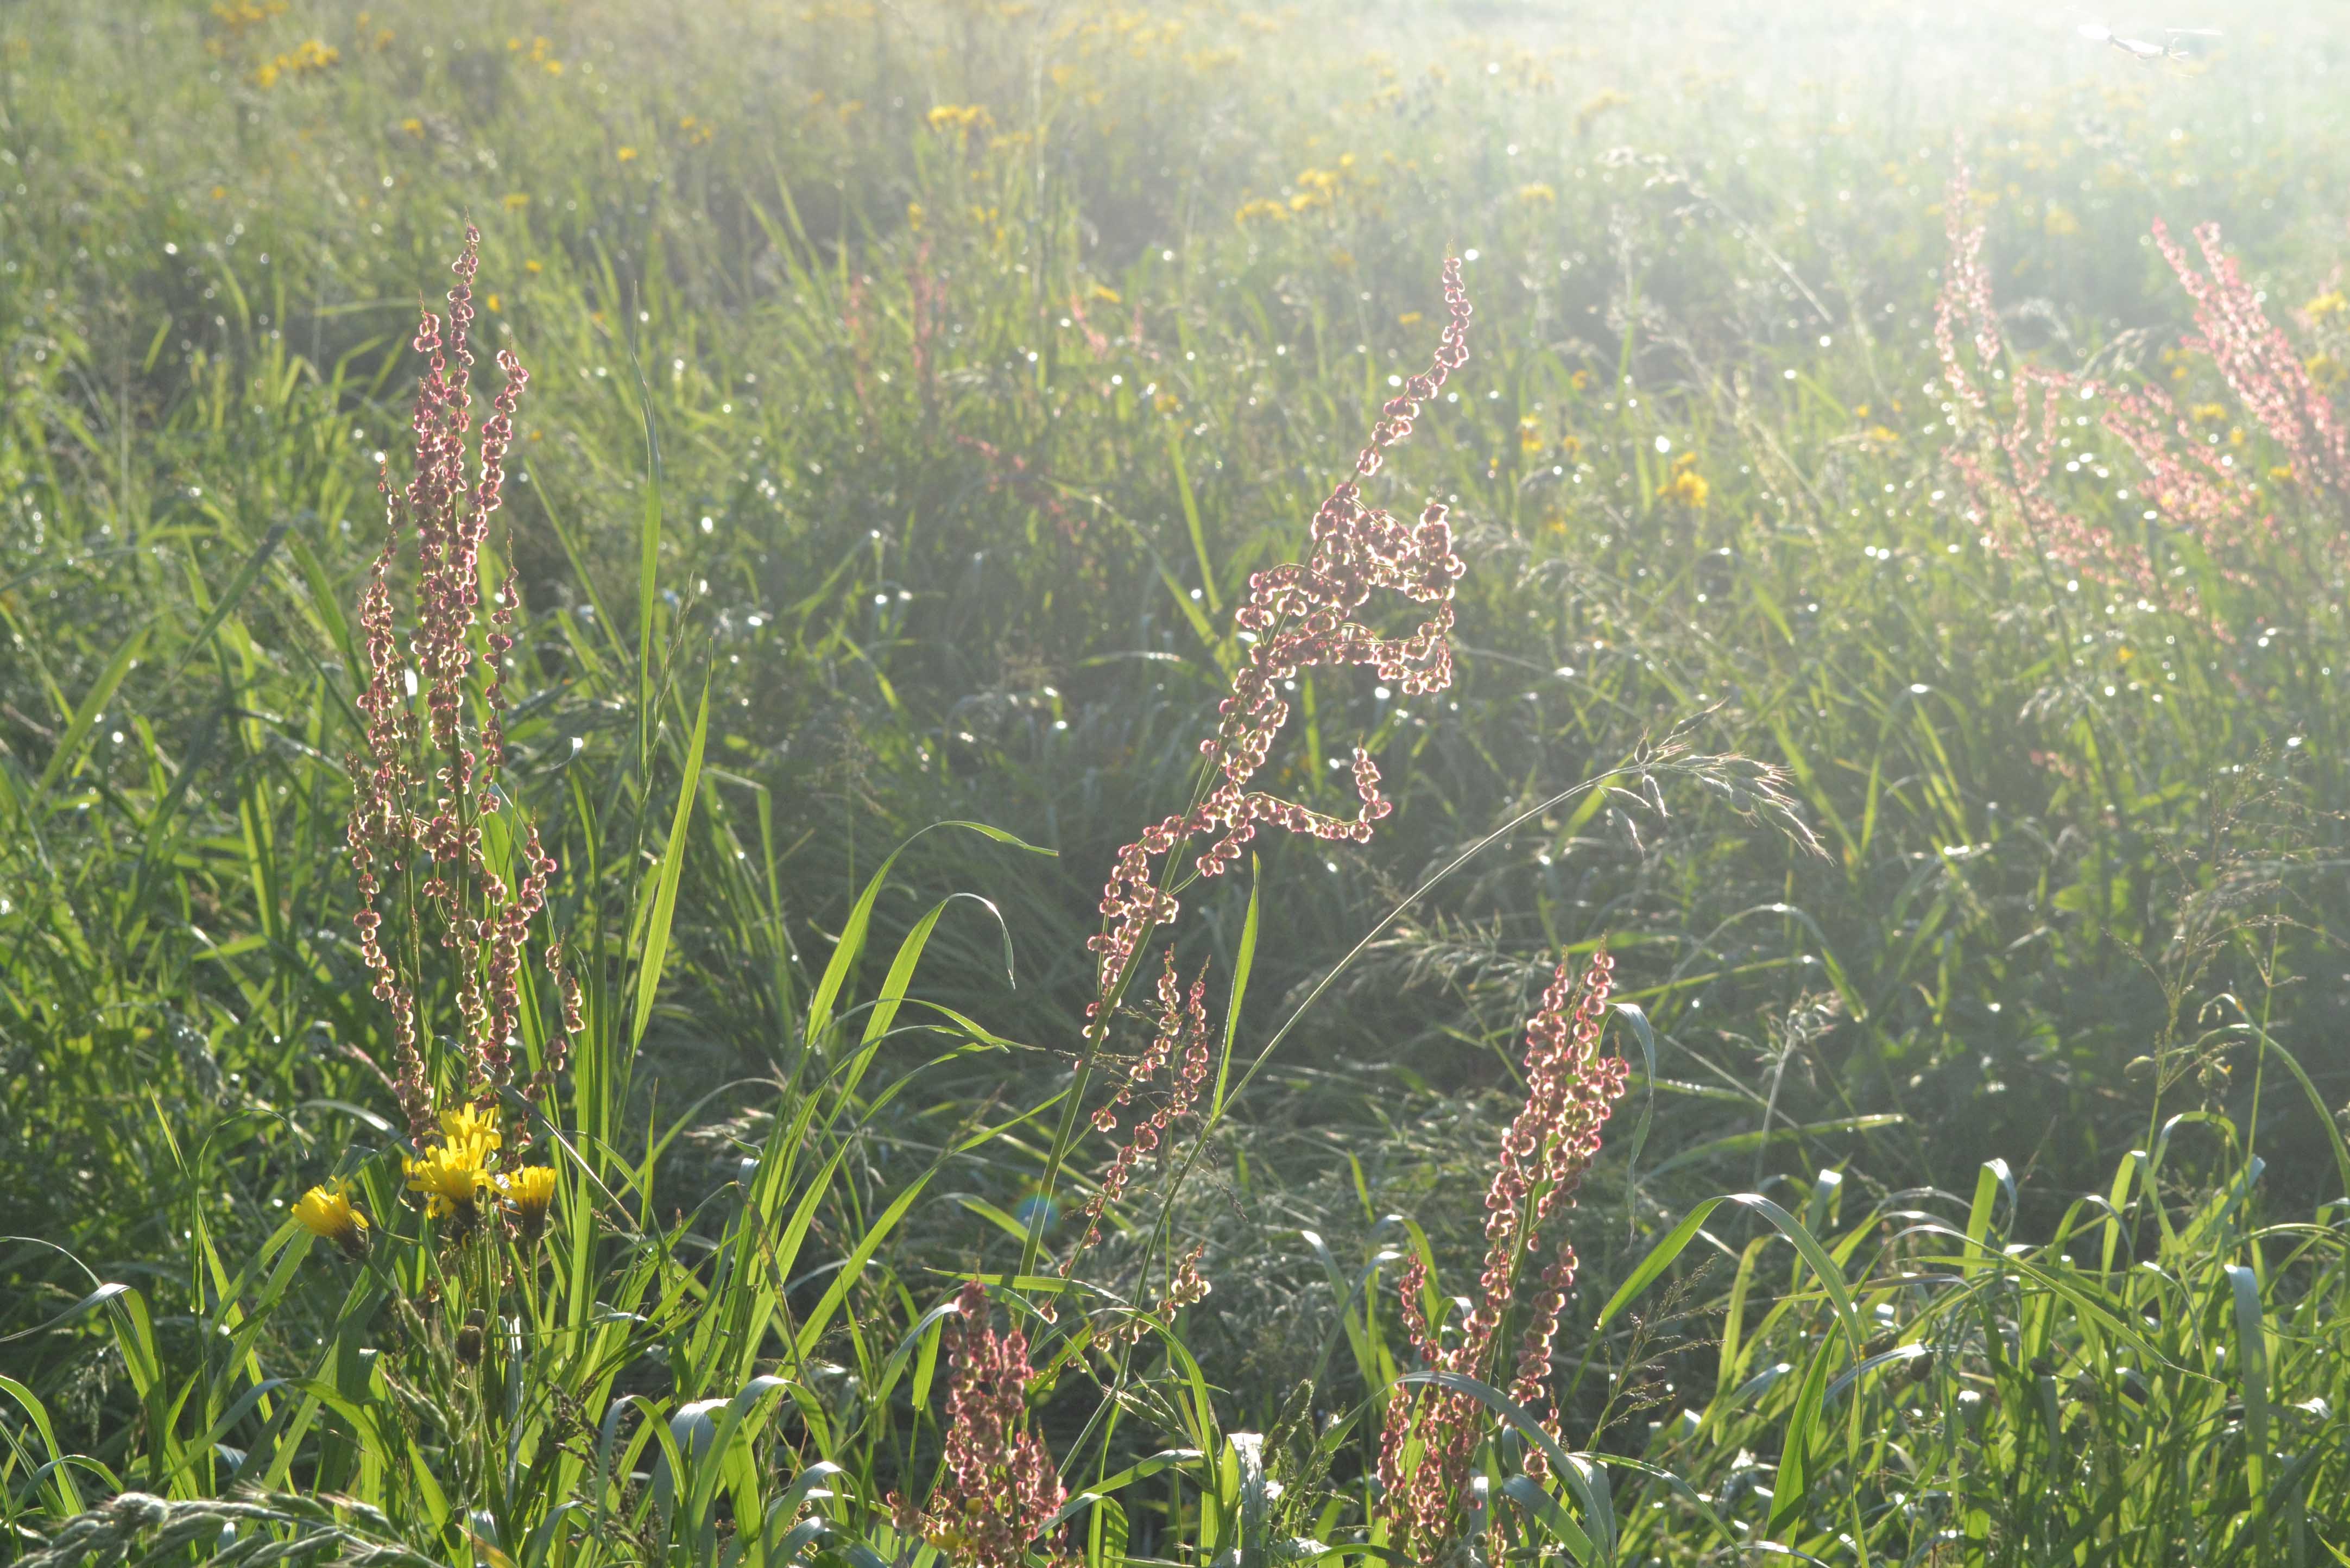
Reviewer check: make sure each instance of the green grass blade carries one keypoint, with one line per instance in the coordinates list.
(672, 866)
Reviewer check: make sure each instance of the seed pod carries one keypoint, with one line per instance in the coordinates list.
(469, 1338)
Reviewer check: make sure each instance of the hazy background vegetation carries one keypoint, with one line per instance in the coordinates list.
(988, 349)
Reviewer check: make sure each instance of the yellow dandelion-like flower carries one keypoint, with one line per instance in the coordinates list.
(1408, 318)
(530, 1192)
(2332, 302)
(2327, 371)
(327, 1213)
(413, 126)
(517, 200)
(2209, 413)
(627, 155)
(1537, 194)
(1530, 436)
(450, 1178)
(474, 1127)
(961, 118)
(1687, 486)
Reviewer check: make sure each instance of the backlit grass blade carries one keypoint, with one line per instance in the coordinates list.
(232, 596)
(67, 754)
(673, 853)
(2252, 1379)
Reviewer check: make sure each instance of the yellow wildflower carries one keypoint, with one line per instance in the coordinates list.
(1408, 318)
(328, 1214)
(1530, 436)
(961, 118)
(1686, 486)
(517, 200)
(473, 1128)
(2209, 413)
(1537, 194)
(1593, 107)
(2327, 372)
(450, 1178)
(2331, 303)
(413, 126)
(628, 155)
(530, 1192)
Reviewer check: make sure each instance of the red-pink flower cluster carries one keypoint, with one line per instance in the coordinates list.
(1182, 1021)
(1297, 616)
(2191, 485)
(1000, 1485)
(1571, 1089)
(2012, 480)
(425, 781)
(2260, 364)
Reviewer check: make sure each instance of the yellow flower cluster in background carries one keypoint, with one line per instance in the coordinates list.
(1597, 105)
(1319, 187)
(542, 54)
(1687, 486)
(310, 54)
(960, 119)
(237, 18)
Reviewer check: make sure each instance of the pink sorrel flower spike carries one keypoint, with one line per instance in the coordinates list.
(425, 778)
(1571, 1089)
(1297, 616)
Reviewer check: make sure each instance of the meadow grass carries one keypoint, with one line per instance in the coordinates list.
(915, 391)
